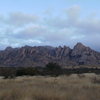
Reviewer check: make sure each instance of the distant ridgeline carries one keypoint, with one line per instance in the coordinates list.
(39, 56)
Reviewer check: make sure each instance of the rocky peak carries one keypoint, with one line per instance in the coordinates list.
(79, 46)
(84, 55)
(8, 49)
(62, 51)
(79, 49)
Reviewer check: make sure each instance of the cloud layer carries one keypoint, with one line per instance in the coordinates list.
(18, 29)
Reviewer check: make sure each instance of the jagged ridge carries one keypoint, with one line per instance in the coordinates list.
(28, 56)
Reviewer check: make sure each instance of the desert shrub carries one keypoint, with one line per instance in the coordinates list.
(27, 71)
(81, 76)
(53, 69)
(8, 73)
(95, 80)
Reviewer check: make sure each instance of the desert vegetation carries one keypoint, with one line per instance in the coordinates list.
(73, 87)
(51, 69)
(51, 82)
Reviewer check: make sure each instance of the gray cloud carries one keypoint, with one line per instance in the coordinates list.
(20, 29)
(18, 19)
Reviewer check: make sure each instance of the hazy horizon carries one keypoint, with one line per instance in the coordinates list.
(49, 22)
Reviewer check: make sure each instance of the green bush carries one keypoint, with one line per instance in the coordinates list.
(53, 69)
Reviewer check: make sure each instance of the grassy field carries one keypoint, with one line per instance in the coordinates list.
(73, 87)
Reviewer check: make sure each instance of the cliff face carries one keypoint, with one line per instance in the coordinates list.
(39, 56)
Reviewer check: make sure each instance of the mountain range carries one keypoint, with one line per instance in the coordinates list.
(28, 56)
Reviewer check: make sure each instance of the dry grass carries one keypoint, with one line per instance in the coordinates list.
(73, 87)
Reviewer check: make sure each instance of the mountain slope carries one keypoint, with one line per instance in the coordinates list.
(39, 56)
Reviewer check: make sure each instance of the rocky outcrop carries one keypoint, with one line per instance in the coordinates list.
(39, 56)
(85, 55)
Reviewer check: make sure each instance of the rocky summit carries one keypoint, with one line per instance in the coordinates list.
(28, 56)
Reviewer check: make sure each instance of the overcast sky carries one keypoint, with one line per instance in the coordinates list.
(49, 22)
